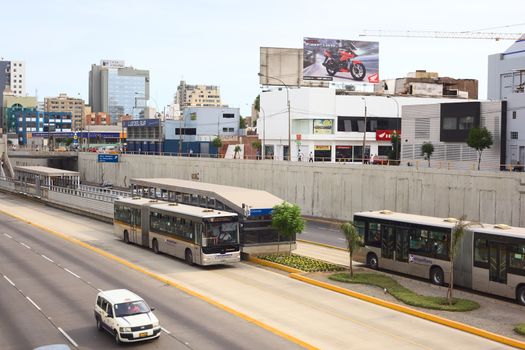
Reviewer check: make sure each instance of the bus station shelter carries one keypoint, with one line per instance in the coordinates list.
(47, 177)
(254, 207)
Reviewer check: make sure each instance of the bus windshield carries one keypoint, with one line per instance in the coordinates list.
(220, 233)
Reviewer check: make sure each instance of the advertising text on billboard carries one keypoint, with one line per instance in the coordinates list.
(323, 126)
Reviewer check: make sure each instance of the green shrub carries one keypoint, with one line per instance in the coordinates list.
(302, 263)
(404, 294)
(520, 329)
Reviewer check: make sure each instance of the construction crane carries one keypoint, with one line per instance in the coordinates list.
(442, 35)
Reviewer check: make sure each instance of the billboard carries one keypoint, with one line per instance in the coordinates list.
(323, 126)
(341, 60)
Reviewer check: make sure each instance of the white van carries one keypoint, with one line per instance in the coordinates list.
(126, 316)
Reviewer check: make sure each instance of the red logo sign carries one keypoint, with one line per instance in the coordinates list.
(374, 78)
(385, 135)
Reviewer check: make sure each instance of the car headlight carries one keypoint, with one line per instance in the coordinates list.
(125, 329)
(155, 324)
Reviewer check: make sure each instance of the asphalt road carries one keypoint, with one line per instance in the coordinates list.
(48, 284)
(323, 233)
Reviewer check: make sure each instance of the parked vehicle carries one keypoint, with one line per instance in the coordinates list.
(344, 61)
(126, 316)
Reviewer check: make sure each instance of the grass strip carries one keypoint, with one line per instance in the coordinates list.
(404, 294)
(520, 329)
(302, 263)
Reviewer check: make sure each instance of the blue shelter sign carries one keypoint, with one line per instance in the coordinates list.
(107, 158)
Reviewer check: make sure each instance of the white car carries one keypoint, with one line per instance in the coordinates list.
(126, 316)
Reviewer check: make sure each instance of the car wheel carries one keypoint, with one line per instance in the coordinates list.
(117, 338)
(189, 257)
(437, 276)
(520, 295)
(372, 261)
(126, 237)
(99, 324)
(155, 246)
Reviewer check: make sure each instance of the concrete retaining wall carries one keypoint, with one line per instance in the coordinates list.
(338, 190)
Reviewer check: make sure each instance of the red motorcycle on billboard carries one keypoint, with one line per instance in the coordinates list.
(344, 62)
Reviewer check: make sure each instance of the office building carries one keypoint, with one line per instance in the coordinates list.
(506, 81)
(197, 95)
(30, 121)
(96, 118)
(12, 81)
(12, 104)
(63, 103)
(118, 90)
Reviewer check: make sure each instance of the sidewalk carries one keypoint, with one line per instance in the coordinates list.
(495, 315)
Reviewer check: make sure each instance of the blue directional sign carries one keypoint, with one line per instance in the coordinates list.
(108, 158)
(259, 211)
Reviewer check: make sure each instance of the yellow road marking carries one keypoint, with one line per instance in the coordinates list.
(166, 281)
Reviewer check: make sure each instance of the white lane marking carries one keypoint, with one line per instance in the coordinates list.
(342, 239)
(71, 272)
(165, 330)
(7, 235)
(25, 245)
(68, 337)
(8, 280)
(45, 257)
(34, 304)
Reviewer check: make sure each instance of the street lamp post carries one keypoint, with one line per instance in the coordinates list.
(289, 116)
(364, 134)
(398, 126)
(263, 145)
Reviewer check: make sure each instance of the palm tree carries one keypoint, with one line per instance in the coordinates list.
(457, 235)
(353, 241)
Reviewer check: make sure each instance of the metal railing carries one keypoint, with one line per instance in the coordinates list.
(91, 192)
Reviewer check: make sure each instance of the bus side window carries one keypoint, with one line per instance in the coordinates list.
(517, 257)
(481, 251)
(373, 236)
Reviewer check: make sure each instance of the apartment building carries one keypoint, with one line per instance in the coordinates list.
(197, 95)
(64, 103)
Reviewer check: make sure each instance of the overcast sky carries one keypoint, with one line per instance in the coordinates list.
(217, 42)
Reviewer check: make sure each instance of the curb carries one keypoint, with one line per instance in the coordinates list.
(322, 244)
(167, 281)
(299, 275)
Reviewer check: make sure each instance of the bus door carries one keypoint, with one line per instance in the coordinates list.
(135, 222)
(394, 248)
(498, 265)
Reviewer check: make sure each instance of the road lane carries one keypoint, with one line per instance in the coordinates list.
(53, 265)
(320, 317)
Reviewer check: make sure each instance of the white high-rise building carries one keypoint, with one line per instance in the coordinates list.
(506, 81)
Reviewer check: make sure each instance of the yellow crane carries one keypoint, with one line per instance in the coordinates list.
(472, 34)
(443, 35)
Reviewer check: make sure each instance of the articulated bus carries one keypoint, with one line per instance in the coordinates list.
(197, 235)
(490, 258)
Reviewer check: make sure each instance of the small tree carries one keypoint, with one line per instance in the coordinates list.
(479, 139)
(257, 103)
(457, 235)
(426, 151)
(353, 241)
(394, 154)
(237, 150)
(287, 220)
(242, 123)
(217, 143)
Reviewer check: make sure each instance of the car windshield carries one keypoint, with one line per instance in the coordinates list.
(219, 233)
(131, 308)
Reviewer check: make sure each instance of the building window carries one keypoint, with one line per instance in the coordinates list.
(465, 123)
(449, 123)
(514, 135)
(513, 114)
(228, 115)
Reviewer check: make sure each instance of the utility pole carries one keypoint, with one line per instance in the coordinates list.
(364, 135)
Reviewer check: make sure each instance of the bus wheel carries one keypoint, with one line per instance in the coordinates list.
(372, 262)
(520, 295)
(436, 276)
(126, 236)
(155, 246)
(189, 257)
